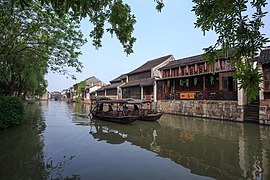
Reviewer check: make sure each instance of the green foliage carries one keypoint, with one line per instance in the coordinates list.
(115, 13)
(80, 86)
(212, 80)
(237, 30)
(33, 41)
(11, 111)
(249, 79)
(159, 5)
(181, 82)
(195, 81)
(187, 82)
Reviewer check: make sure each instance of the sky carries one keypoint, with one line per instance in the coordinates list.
(158, 34)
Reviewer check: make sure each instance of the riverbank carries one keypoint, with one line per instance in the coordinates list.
(221, 110)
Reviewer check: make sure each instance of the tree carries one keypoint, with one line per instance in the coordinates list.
(113, 12)
(237, 24)
(237, 28)
(32, 41)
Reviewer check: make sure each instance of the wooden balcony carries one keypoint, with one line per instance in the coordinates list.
(201, 95)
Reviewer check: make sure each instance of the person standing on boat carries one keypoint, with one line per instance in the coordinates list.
(125, 109)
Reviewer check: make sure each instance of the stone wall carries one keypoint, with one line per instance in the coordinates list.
(265, 112)
(225, 110)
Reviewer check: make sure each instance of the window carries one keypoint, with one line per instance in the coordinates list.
(191, 70)
(225, 83)
(228, 84)
(101, 93)
(200, 68)
(183, 69)
(175, 72)
(166, 73)
(111, 92)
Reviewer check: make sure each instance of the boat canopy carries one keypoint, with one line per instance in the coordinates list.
(137, 101)
(112, 101)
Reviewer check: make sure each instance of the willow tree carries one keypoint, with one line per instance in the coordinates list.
(33, 40)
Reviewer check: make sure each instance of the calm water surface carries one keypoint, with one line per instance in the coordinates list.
(56, 143)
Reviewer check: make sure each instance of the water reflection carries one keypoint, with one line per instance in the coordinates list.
(21, 152)
(58, 141)
(222, 150)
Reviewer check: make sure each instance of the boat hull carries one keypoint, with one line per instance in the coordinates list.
(117, 119)
(151, 117)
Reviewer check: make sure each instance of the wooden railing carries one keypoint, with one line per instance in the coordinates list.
(202, 95)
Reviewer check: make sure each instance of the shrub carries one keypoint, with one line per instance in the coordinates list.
(11, 111)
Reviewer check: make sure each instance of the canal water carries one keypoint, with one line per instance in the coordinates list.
(57, 142)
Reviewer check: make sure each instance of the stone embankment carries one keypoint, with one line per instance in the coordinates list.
(224, 110)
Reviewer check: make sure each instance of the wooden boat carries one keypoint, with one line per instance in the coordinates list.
(104, 110)
(145, 114)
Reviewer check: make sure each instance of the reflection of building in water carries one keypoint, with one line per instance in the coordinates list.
(265, 144)
(250, 159)
(222, 150)
(153, 145)
(254, 148)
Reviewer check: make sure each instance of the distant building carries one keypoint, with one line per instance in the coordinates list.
(91, 85)
(113, 90)
(73, 92)
(45, 96)
(65, 94)
(55, 95)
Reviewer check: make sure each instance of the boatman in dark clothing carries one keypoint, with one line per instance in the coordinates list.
(125, 110)
(135, 107)
(101, 107)
(110, 108)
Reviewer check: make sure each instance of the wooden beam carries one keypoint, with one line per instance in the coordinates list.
(204, 83)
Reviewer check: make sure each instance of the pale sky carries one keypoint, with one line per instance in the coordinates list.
(158, 34)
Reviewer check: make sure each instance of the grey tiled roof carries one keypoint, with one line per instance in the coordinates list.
(101, 89)
(147, 82)
(150, 64)
(264, 57)
(119, 78)
(185, 61)
(191, 60)
(141, 82)
(112, 86)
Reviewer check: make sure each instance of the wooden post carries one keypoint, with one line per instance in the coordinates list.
(203, 82)
(220, 82)
(219, 67)
(203, 69)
